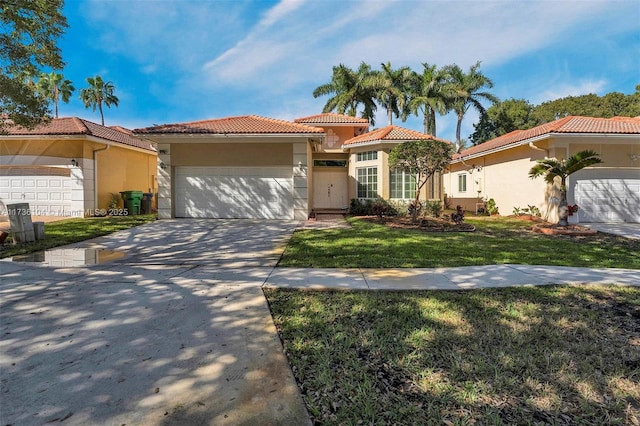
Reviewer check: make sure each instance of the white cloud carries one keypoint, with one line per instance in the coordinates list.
(564, 89)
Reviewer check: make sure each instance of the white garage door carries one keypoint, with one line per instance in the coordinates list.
(234, 192)
(47, 190)
(608, 200)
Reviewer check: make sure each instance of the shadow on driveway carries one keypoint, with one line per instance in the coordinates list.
(178, 332)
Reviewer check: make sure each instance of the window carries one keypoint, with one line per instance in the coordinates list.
(462, 183)
(367, 156)
(330, 163)
(368, 182)
(402, 185)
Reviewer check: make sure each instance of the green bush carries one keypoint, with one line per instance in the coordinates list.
(380, 207)
(492, 208)
(433, 208)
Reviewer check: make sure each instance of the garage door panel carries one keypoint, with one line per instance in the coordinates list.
(223, 192)
(46, 195)
(608, 200)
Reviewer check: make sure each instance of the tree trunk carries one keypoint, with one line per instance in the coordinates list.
(458, 129)
(563, 207)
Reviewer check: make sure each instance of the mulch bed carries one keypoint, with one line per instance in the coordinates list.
(431, 224)
(554, 229)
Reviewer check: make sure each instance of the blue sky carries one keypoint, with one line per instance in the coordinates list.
(184, 60)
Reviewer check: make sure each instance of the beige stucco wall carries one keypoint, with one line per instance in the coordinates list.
(240, 154)
(42, 147)
(121, 169)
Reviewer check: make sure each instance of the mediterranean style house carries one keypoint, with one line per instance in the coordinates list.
(71, 166)
(258, 167)
(498, 169)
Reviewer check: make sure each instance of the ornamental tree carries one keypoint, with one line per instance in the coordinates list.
(552, 168)
(422, 159)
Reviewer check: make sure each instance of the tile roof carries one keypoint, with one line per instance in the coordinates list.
(78, 126)
(246, 124)
(331, 118)
(389, 134)
(569, 124)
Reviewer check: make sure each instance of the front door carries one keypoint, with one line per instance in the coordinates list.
(330, 189)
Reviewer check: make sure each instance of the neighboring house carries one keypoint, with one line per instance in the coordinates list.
(499, 169)
(258, 167)
(71, 166)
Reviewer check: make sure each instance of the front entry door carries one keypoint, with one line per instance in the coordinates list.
(330, 189)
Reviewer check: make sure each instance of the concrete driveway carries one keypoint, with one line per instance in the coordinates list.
(178, 332)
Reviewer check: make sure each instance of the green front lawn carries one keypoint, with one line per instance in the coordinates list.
(69, 231)
(495, 241)
(521, 356)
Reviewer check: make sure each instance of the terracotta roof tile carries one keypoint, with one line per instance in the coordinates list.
(569, 124)
(331, 118)
(79, 126)
(389, 134)
(246, 124)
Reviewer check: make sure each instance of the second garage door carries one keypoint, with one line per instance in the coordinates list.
(608, 200)
(234, 192)
(46, 189)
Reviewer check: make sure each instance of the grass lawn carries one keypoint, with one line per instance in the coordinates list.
(73, 230)
(543, 355)
(495, 241)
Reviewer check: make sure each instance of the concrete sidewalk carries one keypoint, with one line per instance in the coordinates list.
(462, 278)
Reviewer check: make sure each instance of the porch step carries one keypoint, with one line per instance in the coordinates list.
(327, 212)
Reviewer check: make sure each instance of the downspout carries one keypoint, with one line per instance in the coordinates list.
(95, 174)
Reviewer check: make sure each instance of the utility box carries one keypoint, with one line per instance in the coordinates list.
(147, 198)
(20, 222)
(132, 201)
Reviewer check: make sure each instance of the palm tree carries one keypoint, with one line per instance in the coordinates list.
(349, 89)
(392, 88)
(465, 92)
(53, 86)
(428, 95)
(98, 93)
(551, 168)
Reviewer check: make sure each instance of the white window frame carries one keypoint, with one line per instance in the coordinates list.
(369, 188)
(405, 179)
(462, 182)
(367, 156)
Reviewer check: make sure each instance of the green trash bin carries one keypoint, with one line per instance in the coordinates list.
(132, 201)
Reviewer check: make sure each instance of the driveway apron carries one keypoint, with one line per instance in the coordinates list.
(177, 332)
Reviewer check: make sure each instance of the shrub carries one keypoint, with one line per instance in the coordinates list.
(458, 216)
(380, 207)
(433, 208)
(401, 207)
(491, 206)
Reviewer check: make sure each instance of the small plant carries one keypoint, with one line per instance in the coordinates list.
(534, 211)
(458, 216)
(433, 208)
(517, 211)
(114, 201)
(572, 209)
(492, 208)
(447, 202)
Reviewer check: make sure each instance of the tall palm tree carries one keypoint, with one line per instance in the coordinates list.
(99, 92)
(428, 95)
(552, 168)
(53, 86)
(350, 89)
(465, 90)
(392, 89)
